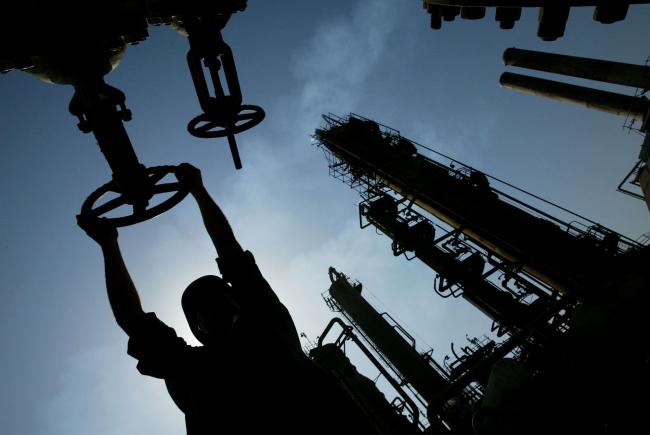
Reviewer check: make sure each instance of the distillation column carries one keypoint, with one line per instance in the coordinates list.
(611, 282)
(406, 359)
(466, 272)
(553, 252)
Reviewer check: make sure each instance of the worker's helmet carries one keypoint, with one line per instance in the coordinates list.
(210, 308)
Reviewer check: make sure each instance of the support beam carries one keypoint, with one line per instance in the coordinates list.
(644, 181)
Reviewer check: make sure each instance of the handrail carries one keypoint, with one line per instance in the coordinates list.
(333, 119)
(347, 330)
(400, 328)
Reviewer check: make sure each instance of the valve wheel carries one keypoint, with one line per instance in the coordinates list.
(139, 213)
(206, 126)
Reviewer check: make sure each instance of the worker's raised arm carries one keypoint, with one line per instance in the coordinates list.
(214, 220)
(122, 294)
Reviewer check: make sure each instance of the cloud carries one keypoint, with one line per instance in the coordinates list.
(335, 64)
(102, 393)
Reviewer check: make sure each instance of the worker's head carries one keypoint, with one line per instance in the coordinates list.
(210, 309)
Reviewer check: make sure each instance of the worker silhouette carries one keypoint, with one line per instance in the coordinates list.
(251, 375)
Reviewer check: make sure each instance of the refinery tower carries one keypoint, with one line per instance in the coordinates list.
(566, 295)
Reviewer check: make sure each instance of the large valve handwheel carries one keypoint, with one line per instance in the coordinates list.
(206, 126)
(139, 213)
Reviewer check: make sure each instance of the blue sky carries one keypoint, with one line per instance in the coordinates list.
(64, 365)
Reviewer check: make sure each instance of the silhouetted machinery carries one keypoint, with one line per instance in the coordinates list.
(568, 299)
(636, 108)
(78, 42)
(553, 14)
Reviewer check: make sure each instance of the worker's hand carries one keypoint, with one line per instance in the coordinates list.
(98, 229)
(189, 177)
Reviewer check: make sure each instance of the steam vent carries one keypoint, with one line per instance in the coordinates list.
(635, 108)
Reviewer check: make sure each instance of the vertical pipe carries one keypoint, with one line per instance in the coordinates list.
(611, 12)
(619, 73)
(552, 20)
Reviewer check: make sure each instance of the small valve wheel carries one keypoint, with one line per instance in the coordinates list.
(206, 126)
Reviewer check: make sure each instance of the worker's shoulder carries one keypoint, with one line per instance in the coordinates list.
(149, 326)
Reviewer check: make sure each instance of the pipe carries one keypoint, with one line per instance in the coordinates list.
(347, 331)
(626, 74)
(604, 101)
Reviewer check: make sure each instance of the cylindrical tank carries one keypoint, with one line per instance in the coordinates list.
(593, 69)
(411, 365)
(604, 101)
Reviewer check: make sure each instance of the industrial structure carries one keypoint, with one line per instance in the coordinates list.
(558, 287)
(77, 43)
(559, 290)
(553, 15)
(636, 108)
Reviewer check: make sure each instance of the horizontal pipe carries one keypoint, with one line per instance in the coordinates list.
(627, 74)
(604, 101)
